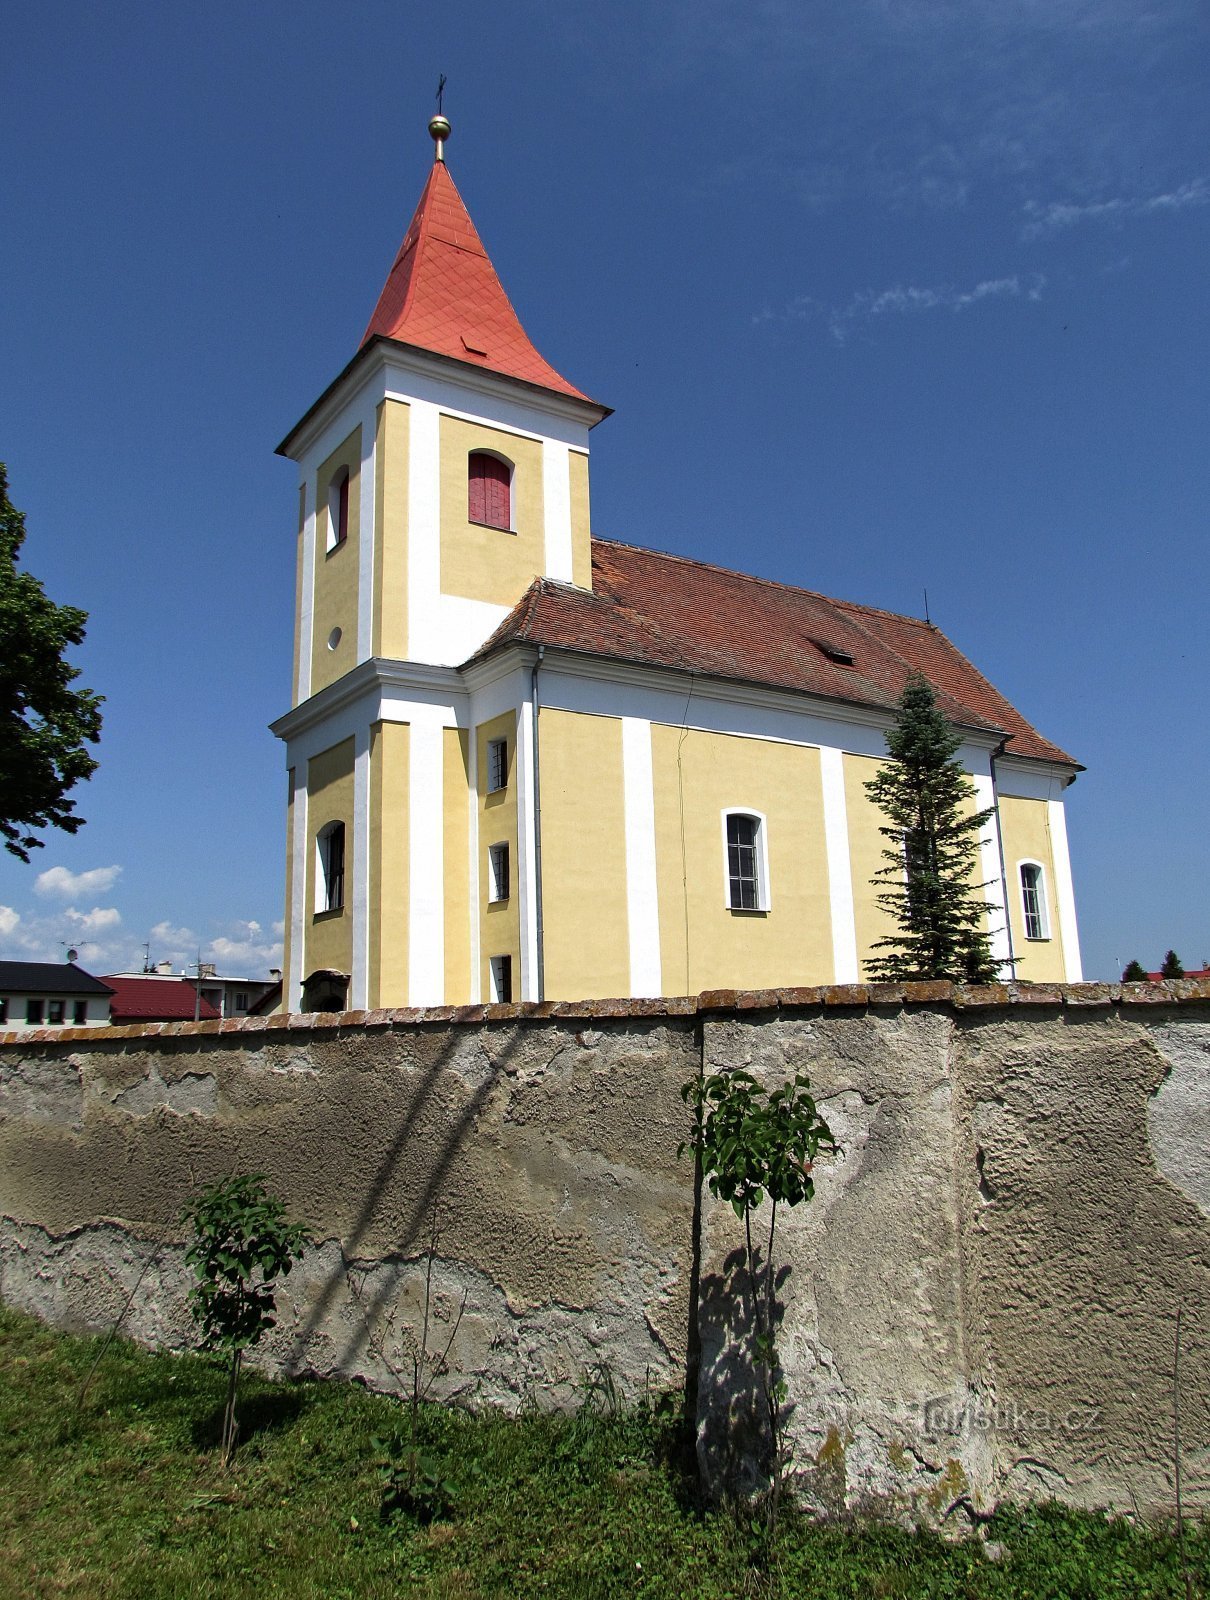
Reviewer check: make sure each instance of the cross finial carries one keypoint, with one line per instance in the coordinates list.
(439, 126)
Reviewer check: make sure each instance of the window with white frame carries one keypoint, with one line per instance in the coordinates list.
(497, 765)
(745, 861)
(501, 971)
(1033, 901)
(497, 872)
(338, 508)
(330, 877)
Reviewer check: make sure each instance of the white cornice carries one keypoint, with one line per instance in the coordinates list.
(387, 357)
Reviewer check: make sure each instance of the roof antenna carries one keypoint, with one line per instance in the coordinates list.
(439, 126)
(927, 618)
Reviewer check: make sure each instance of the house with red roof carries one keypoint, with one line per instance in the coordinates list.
(157, 997)
(528, 763)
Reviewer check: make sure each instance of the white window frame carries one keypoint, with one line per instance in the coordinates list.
(495, 966)
(323, 886)
(499, 882)
(764, 898)
(1043, 897)
(331, 542)
(492, 746)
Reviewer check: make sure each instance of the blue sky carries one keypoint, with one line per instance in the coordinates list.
(886, 296)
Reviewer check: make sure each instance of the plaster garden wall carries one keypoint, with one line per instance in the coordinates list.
(981, 1298)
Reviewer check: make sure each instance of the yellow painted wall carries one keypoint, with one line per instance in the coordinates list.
(1025, 828)
(336, 570)
(703, 944)
(390, 630)
(481, 563)
(389, 880)
(298, 588)
(581, 531)
(499, 922)
(587, 939)
(865, 856)
(329, 940)
(456, 802)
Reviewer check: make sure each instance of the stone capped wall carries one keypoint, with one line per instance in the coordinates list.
(981, 1298)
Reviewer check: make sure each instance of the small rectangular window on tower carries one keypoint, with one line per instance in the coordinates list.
(497, 765)
(1033, 901)
(497, 872)
(502, 979)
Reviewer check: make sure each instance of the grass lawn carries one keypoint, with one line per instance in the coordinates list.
(124, 1498)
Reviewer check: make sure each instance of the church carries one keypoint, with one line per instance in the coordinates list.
(528, 764)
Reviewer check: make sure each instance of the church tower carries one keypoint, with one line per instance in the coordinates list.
(440, 473)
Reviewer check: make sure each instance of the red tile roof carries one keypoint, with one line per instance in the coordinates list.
(662, 610)
(443, 294)
(155, 1000)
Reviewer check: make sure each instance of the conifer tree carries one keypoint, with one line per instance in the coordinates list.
(928, 880)
(1173, 966)
(1135, 972)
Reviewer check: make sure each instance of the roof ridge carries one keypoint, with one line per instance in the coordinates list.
(771, 583)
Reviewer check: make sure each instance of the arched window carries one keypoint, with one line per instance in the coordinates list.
(746, 861)
(330, 878)
(338, 508)
(489, 490)
(1033, 901)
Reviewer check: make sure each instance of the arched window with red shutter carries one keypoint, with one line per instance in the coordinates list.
(489, 490)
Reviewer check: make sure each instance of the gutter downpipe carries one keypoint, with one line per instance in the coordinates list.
(1008, 920)
(533, 695)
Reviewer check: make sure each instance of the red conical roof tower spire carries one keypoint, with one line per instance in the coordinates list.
(443, 294)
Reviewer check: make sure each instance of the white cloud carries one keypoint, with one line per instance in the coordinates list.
(1059, 214)
(8, 920)
(900, 301)
(244, 958)
(95, 921)
(76, 885)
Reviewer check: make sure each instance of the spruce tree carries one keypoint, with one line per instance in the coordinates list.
(928, 880)
(1173, 966)
(1135, 972)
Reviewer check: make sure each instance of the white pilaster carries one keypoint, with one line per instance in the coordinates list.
(642, 898)
(527, 867)
(472, 843)
(845, 967)
(359, 986)
(298, 891)
(1065, 895)
(556, 501)
(990, 859)
(426, 905)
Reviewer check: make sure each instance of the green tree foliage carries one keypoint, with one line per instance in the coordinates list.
(241, 1245)
(1135, 972)
(928, 878)
(754, 1145)
(1172, 966)
(44, 722)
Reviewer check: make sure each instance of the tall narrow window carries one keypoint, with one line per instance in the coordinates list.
(497, 765)
(338, 509)
(489, 490)
(1033, 901)
(502, 978)
(497, 872)
(80, 1013)
(746, 864)
(331, 885)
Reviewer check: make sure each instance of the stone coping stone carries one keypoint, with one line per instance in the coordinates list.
(710, 1003)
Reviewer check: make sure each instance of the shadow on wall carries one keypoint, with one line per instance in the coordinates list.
(412, 1141)
(734, 1447)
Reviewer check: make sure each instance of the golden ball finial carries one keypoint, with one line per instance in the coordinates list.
(439, 129)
